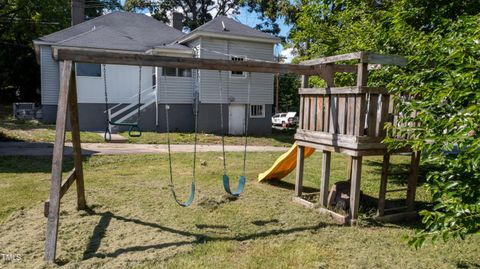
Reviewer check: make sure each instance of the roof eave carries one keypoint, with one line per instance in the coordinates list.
(56, 47)
(227, 36)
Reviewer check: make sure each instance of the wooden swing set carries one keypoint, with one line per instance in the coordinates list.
(332, 119)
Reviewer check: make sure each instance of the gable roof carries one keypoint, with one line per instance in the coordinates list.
(233, 30)
(116, 30)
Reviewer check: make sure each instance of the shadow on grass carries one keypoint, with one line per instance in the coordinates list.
(289, 186)
(399, 173)
(106, 217)
(33, 164)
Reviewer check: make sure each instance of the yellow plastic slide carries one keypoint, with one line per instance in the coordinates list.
(284, 164)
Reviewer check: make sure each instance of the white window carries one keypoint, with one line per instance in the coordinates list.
(237, 74)
(257, 111)
(176, 72)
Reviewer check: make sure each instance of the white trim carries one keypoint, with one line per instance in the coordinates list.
(228, 36)
(244, 74)
(256, 116)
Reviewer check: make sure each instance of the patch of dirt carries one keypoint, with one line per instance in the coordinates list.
(214, 203)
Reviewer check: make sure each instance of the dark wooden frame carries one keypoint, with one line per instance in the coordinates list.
(325, 68)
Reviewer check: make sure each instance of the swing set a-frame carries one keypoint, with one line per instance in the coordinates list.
(355, 130)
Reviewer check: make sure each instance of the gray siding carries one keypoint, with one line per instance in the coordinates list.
(174, 90)
(49, 70)
(234, 89)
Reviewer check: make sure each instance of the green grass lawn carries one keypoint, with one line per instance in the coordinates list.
(134, 223)
(35, 131)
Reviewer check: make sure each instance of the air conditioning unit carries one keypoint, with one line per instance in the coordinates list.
(26, 111)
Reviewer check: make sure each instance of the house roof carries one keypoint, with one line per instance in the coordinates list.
(127, 31)
(116, 30)
(229, 28)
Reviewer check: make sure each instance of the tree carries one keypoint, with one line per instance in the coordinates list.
(21, 21)
(442, 40)
(196, 13)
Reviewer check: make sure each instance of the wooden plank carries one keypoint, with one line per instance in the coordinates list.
(326, 114)
(325, 178)
(343, 90)
(382, 115)
(362, 74)
(383, 185)
(140, 59)
(412, 181)
(360, 111)
(363, 56)
(333, 59)
(320, 111)
(338, 218)
(68, 182)
(375, 58)
(302, 113)
(355, 187)
(342, 113)
(350, 123)
(306, 113)
(349, 168)
(57, 161)
(372, 115)
(343, 138)
(313, 113)
(77, 148)
(345, 68)
(333, 128)
(299, 171)
(338, 142)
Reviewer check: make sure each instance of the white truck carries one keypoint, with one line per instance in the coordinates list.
(286, 119)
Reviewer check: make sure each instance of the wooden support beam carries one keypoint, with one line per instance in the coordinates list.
(77, 148)
(355, 188)
(57, 161)
(412, 180)
(324, 181)
(343, 90)
(107, 57)
(299, 171)
(362, 56)
(383, 185)
(72, 176)
(68, 182)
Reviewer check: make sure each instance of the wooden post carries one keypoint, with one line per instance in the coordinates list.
(412, 180)
(77, 148)
(349, 171)
(57, 161)
(299, 172)
(383, 185)
(326, 159)
(362, 74)
(355, 188)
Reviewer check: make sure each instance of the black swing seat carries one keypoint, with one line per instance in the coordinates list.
(133, 130)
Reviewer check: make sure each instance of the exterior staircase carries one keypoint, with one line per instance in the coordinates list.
(127, 112)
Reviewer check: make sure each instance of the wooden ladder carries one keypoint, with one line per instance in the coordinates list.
(410, 189)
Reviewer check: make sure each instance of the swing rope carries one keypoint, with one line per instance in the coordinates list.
(134, 129)
(226, 179)
(172, 186)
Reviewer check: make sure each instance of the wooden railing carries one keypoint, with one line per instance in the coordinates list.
(352, 114)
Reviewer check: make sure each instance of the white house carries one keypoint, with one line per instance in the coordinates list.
(221, 38)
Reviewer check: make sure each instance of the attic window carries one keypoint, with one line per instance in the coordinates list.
(237, 74)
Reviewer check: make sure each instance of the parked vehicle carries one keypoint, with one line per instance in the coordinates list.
(285, 119)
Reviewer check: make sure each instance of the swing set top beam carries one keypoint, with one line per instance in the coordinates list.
(311, 67)
(108, 57)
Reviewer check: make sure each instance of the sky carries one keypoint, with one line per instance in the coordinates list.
(251, 19)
